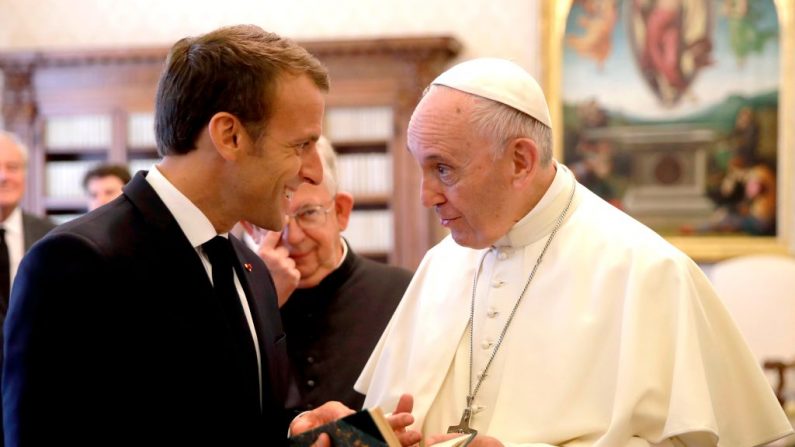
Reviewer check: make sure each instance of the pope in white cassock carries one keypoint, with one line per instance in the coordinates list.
(549, 317)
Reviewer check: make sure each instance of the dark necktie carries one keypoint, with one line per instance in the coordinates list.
(222, 259)
(5, 269)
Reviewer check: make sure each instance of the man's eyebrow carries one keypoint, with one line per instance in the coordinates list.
(300, 140)
(436, 158)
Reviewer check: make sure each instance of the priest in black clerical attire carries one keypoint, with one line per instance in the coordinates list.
(334, 303)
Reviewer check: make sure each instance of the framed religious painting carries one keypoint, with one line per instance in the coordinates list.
(681, 113)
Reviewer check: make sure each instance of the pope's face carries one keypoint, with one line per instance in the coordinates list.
(461, 179)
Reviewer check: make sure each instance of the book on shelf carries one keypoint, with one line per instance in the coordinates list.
(65, 178)
(141, 130)
(371, 231)
(367, 174)
(78, 131)
(359, 123)
(365, 428)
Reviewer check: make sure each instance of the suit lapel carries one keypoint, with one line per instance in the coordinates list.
(193, 292)
(256, 283)
(261, 296)
(177, 257)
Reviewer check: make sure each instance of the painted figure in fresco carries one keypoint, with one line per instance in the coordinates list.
(746, 138)
(671, 39)
(748, 33)
(598, 23)
(755, 212)
(592, 163)
(746, 195)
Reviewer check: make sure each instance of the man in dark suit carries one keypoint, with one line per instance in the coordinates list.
(123, 329)
(18, 229)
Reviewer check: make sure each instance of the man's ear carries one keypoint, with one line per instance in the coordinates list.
(226, 133)
(525, 156)
(343, 205)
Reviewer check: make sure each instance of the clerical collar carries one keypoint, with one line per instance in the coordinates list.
(336, 277)
(344, 244)
(541, 219)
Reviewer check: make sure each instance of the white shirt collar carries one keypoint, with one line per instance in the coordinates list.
(196, 226)
(344, 253)
(15, 239)
(13, 224)
(541, 219)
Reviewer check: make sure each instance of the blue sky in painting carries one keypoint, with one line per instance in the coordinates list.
(620, 87)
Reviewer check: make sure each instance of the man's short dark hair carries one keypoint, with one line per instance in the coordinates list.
(107, 170)
(233, 69)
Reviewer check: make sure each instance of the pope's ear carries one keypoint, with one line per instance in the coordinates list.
(226, 133)
(343, 204)
(525, 156)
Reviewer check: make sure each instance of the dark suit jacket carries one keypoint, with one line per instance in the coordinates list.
(34, 228)
(113, 337)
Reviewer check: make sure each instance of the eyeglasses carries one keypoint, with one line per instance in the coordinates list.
(312, 216)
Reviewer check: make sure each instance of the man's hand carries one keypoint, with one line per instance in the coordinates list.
(331, 411)
(277, 258)
(328, 412)
(402, 418)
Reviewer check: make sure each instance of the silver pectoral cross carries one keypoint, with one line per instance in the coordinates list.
(463, 426)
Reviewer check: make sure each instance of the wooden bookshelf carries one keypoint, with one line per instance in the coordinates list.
(384, 75)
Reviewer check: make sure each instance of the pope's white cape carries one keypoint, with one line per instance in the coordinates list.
(620, 341)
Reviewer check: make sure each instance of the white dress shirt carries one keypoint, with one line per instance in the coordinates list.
(15, 240)
(198, 229)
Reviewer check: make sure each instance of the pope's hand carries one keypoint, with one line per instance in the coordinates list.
(401, 418)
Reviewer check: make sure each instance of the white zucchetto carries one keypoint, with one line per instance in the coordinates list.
(499, 80)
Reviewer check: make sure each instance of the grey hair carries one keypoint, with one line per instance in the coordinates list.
(21, 147)
(329, 160)
(502, 123)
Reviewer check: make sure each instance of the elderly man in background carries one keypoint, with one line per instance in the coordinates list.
(335, 302)
(615, 339)
(18, 229)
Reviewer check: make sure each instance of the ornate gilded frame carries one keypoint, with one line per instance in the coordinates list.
(705, 249)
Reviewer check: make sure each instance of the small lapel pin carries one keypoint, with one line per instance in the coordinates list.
(247, 266)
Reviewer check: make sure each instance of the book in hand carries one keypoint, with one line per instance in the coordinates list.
(365, 428)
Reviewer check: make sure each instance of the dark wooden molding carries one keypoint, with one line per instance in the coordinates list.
(417, 48)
